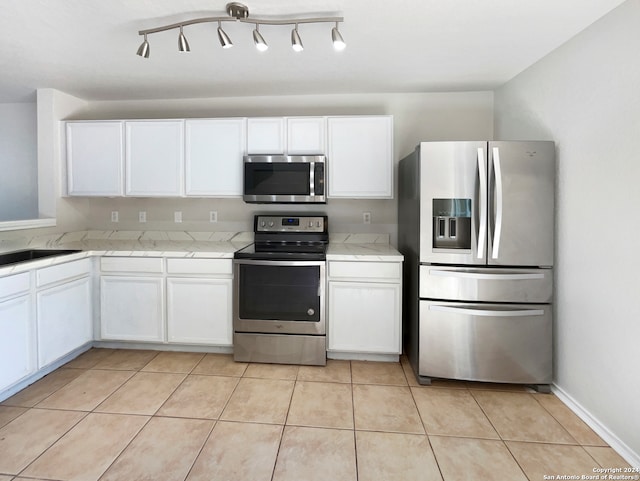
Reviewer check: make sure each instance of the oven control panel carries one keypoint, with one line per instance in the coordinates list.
(283, 223)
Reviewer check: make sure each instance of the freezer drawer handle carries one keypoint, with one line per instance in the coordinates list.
(484, 276)
(486, 312)
(482, 172)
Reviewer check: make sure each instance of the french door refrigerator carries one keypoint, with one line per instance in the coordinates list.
(476, 227)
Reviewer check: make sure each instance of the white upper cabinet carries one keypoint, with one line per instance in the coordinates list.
(213, 160)
(155, 158)
(95, 158)
(306, 135)
(360, 157)
(266, 135)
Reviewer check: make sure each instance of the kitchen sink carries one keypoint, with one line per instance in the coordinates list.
(32, 255)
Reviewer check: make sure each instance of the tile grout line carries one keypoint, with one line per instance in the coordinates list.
(426, 432)
(275, 461)
(86, 413)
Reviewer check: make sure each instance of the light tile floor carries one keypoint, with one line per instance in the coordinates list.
(147, 415)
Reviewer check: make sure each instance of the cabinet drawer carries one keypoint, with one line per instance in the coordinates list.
(68, 270)
(146, 265)
(199, 266)
(13, 285)
(365, 270)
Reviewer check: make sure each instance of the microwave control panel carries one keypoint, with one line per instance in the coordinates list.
(271, 223)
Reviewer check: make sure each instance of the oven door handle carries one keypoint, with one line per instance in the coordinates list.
(253, 262)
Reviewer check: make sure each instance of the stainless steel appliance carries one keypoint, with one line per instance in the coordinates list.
(279, 291)
(284, 179)
(476, 227)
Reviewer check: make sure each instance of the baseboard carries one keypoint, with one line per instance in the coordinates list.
(40, 373)
(153, 346)
(601, 430)
(359, 356)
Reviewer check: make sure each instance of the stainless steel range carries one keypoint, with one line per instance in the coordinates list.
(279, 298)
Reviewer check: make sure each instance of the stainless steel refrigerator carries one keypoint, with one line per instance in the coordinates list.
(476, 227)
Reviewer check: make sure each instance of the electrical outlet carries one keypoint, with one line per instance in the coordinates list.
(142, 216)
(366, 217)
(114, 216)
(177, 217)
(213, 216)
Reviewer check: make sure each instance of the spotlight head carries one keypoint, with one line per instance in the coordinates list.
(296, 41)
(338, 41)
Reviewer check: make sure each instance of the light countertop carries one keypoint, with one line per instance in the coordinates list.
(210, 246)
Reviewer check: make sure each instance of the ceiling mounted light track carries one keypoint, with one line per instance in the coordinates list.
(237, 12)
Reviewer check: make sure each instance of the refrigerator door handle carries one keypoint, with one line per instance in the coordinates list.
(486, 276)
(482, 172)
(487, 312)
(499, 200)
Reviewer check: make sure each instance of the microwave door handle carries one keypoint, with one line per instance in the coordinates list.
(312, 178)
(497, 233)
(482, 173)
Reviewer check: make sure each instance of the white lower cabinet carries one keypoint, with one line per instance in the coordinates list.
(64, 319)
(17, 342)
(365, 308)
(199, 311)
(132, 308)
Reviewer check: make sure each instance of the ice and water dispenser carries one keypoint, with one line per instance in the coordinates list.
(452, 223)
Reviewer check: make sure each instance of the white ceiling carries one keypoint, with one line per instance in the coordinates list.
(87, 47)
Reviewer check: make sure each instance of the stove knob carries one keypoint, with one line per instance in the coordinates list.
(271, 224)
(310, 312)
(263, 223)
(310, 223)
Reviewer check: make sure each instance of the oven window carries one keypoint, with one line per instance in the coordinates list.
(280, 293)
(281, 178)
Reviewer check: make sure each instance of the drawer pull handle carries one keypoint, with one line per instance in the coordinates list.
(486, 276)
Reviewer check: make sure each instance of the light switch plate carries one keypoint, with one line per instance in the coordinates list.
(177, 217)
(366, 217)
(114, 216)
(142, 216)
(213, 216)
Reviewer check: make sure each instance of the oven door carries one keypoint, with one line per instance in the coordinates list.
(283, 297)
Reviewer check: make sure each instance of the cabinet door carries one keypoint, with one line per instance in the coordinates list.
(266, 135)
(360, 157)
(214, 151)
(95, 158)
(155, 158)
(131, 308)
(364, 317)
(65, 320)
(306, 135)
(199, 311)
(17, 345)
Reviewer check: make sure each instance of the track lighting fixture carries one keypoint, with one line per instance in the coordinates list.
(225, 41)
(143, 49)
(338, 42)
(261, 45)
(183, 45)
(296, 41)
(237, 12)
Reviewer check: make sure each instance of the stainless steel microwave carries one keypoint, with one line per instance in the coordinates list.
(284, 179)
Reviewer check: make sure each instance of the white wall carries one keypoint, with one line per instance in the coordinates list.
(18, 162)
(586, 97)
(417, 117)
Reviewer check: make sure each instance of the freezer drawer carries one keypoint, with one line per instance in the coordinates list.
(486, 284)
(486, 342)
